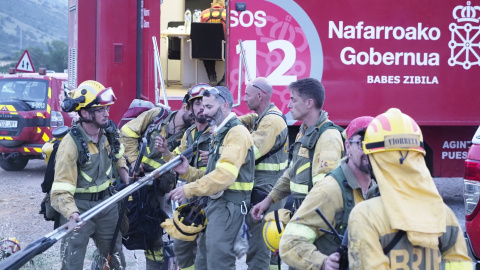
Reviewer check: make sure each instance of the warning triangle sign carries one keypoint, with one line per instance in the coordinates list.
(25, 64)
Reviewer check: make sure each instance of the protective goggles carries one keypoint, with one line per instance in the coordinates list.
(106, 96)
(213, 91)
(197, 91)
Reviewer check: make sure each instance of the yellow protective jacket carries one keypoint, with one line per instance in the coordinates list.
(298, 245)
(200, 140)
(327, 154)
(132, 131)
(70, 177)
(369, 231)
(230, 167)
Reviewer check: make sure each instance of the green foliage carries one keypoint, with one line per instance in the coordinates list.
(54, 58)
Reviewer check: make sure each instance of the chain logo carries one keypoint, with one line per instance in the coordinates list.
(465, 43)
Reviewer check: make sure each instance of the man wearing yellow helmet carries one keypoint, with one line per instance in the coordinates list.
(86, 160)
(304, 243)
(408, 226)
(145, 125)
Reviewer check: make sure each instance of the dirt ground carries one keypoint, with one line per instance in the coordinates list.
(20, 197)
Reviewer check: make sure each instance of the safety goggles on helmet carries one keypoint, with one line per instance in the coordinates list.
(106, 97)
(197, 91)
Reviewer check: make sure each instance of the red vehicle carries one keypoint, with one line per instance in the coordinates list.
(30, 109)
(472, 195)
(420, 56)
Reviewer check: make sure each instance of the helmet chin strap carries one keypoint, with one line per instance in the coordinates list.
(92, 121)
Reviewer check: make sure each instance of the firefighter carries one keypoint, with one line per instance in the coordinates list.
(270, 134)
(317, 149)
(215, 14)
(228, 181)
(172, 128)
(198, 136)
(83, 176)
(303, 245)
(408, 226)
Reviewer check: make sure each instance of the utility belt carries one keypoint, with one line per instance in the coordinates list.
(93, 196)
(235, 197)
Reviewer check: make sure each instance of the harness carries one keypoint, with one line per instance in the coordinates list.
(113, 138)
(312, 142)
(219, 17)
(273, 150)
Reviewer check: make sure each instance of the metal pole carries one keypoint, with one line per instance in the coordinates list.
(159, 70)
(22, 256)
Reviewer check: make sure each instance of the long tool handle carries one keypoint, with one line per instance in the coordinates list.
(328, 224)
(21, 257)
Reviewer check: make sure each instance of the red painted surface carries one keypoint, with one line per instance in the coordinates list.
(365, 68)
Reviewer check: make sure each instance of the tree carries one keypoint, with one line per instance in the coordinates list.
(54, 59)
(58, 55)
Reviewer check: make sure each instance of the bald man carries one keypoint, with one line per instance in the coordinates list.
(270, 133)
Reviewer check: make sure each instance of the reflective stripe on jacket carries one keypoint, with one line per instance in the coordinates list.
(70, 177)
(296, 179)
(230, 166)
(303, 245)
(270, 132)
(369, 231)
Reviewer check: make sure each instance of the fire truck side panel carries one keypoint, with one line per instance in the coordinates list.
(81, 41)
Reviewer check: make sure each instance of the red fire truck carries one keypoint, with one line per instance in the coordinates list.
(422, 57)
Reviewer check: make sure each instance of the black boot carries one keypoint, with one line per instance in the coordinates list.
(222, 81)
(212, 80)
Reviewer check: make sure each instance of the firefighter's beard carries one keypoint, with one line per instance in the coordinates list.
(216, 118)
(187, 119)
(200, 117)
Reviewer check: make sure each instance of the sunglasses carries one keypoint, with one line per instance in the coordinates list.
(259, 89)
(213, 91)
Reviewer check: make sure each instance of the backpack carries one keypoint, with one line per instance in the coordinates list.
(137, 107)
(83, 155)
(144, 216)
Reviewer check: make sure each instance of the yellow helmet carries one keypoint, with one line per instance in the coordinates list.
(275, 223)
(393, 131)
(8, 246)
(188, 221)
(89, 94)
(271, 234)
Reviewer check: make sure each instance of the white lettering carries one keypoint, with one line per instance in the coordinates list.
(261, 21)
(360, 31)
(349, 56)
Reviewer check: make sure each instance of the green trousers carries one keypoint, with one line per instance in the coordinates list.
(100, 228)
(215, 247)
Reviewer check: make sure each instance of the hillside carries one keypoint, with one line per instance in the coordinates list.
(25, 23)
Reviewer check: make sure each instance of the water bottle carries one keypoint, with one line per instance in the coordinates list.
(188, 21)
(197, 15)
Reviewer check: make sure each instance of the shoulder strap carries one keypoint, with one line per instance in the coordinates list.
(274, 150)
(83, 153)
(50, 172)
(394, 242)
(347, 194)
(220, 10)
(155, 122)
(311, 151)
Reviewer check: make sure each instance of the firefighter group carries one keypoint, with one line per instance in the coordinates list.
(363, 197)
